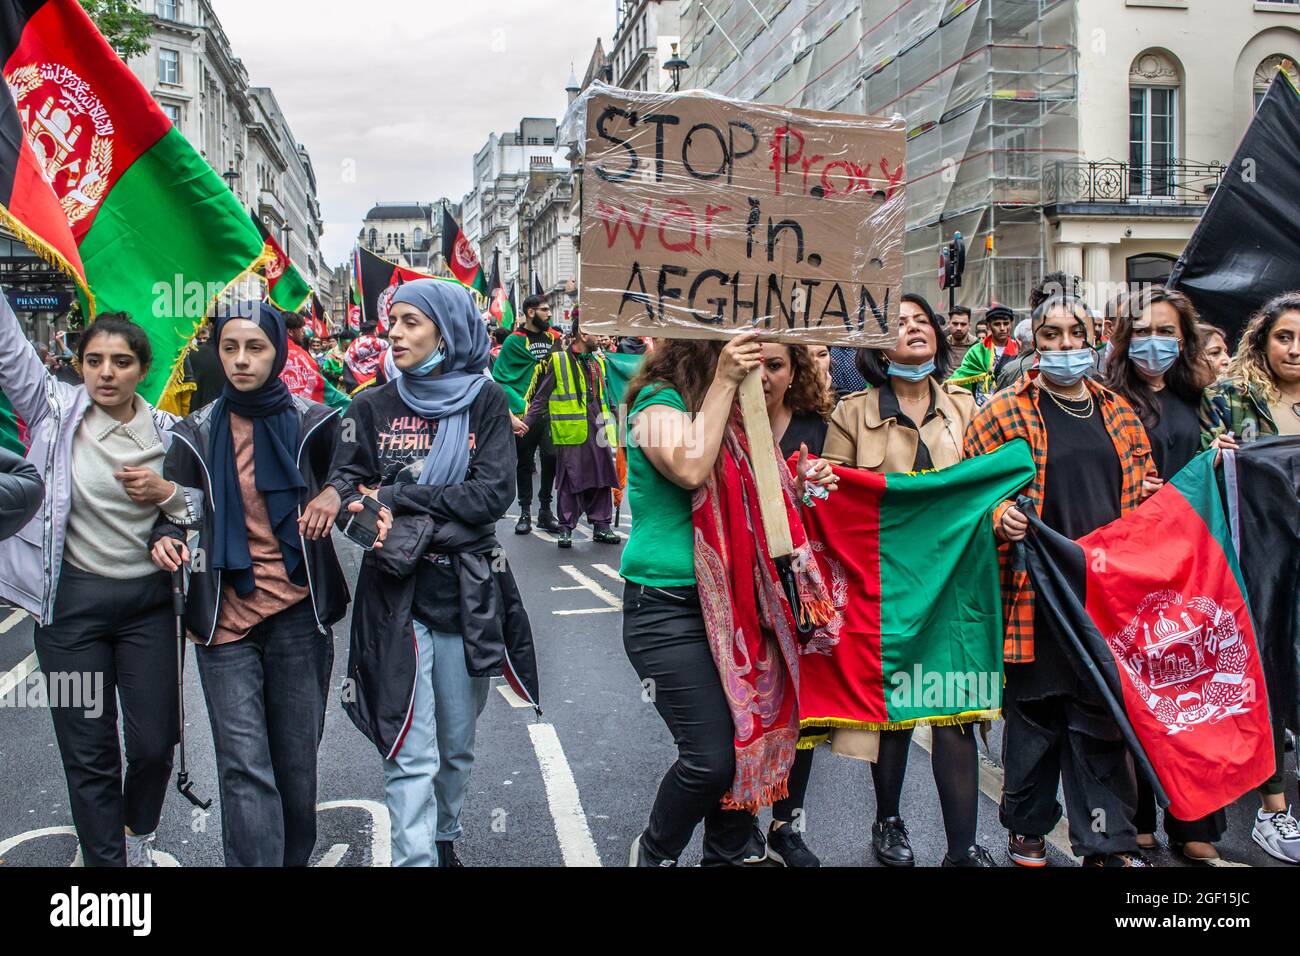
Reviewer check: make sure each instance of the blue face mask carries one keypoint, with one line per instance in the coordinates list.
(1065, 368)
(430, 364)
(1154, 354)
(911, 373)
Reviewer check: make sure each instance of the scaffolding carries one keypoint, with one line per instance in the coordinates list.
(989, 89)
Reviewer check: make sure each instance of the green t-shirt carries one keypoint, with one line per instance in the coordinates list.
(660, 551)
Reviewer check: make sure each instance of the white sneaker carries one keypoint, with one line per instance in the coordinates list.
(138, 852)
(1278, 835)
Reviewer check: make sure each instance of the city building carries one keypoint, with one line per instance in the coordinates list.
(408, 233)
(572, 139)
(644, 36)
(547, 215)
(1049, 133)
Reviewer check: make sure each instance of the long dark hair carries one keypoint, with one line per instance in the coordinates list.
(1185, 377)
(874, 366)
(686, 365)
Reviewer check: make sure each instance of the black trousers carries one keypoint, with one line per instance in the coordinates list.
(1076, 743)
(1208, 829)
(116, 638)
(664, 636)
(538, 440)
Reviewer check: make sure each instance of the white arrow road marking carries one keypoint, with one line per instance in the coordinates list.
(381, 840)
(11, 679)
(576, 845)
(9, 623)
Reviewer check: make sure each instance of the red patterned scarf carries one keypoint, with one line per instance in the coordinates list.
(749, 620)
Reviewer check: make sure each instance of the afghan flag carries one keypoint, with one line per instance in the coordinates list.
(976, 371)
(460, 256)
(380, 280)
(912, 565)
(1153, 608)
(286, 287)
(501, 305)
(94, 177)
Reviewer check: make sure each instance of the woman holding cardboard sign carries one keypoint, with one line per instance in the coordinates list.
(691, 621)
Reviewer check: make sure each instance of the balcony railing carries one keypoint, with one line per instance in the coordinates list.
(1178, 183)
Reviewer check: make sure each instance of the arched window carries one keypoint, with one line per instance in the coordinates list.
(1154, 81)
(1268, 69)
(374, 237)
(419, 237)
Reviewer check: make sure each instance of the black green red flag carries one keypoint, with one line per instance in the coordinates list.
(1154, 609)
(380, 279)
(319, 318)
(286, 287)
(460, 256)
(501, 304)
(94, 177)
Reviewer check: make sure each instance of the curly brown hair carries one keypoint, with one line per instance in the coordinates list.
(810, 391)
(686, 365)
(1250, 365)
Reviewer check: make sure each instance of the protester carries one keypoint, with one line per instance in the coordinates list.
(799, 401)
(686, 442)
(261, 604)
(1157, 366)
(1261, 394)
(1214, 350)
(570, 394)
(910, 421)
(1261, 397)
(204, 370)
(1093, 458)
(21, 493)
(821, 356)
(985, 359)
(363, 359)
(450, 478)
(522, 359)
(83, 572)
(960, 335)
(302, 374)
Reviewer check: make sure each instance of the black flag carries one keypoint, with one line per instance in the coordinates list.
(1243, 251)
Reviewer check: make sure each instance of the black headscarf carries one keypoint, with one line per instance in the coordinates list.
(275, 444)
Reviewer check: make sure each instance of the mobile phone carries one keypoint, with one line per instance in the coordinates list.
(363, 526)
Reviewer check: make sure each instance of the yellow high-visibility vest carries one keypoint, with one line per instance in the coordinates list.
(568, 406)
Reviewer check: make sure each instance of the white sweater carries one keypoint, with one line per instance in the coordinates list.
(108, 533)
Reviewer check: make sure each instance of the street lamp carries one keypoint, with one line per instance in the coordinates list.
(231, 176)
(676, 65)
(528, 224)
(286, 231)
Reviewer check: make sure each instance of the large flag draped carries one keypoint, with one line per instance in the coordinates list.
(1154, 608)
(460, 256)
(1243, 250)
(96, 179)
(380, 280)
(912, 565)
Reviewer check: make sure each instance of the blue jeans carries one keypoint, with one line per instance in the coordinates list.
(433, 765)
(266, 700)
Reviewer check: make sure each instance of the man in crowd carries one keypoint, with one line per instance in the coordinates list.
(524, 357)
(979, 369)
(959, 332)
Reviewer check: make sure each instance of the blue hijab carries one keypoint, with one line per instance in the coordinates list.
(276, 431)
(447, 394)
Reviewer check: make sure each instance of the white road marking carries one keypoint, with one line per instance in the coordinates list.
(591, 585)
(609, 572)
(11, 679)
(334, 855)
(381, 839)
(9, 623)
(588, 610)
(576, 845)
(513, 699)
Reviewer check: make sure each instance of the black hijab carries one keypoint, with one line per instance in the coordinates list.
(276, 431)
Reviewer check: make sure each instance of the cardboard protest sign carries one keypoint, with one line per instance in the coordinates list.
(703, 216)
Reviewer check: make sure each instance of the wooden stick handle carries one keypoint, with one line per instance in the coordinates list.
(762, 452)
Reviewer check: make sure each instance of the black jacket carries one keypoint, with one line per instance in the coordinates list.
(21, 493)
(474, 589)
(188, 463)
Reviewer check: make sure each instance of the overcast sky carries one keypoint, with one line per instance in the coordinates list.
(406, 91)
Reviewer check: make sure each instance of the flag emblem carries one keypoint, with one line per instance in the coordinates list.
(69, 130)
(465, 255)
(275, 269)
(1186, 660)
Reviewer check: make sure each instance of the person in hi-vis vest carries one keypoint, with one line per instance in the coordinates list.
(571, 390)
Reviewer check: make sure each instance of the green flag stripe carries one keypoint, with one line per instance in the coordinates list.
(170, 215)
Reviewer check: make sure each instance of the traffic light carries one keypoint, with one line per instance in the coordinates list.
(952, 263)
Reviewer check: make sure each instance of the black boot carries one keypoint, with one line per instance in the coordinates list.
(603, 535)
(546, 520)
(447, 854)
(565, 539)
(525, 523)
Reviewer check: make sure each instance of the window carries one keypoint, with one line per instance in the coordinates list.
(173, 113)
(169, 66)
(374, 237)
(532, 141)
(419, 237)
(168, 9)
(1268, 69)
(1153, 125)
(1151, 268)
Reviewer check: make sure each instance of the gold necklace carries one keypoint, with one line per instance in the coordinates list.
(1069, 411)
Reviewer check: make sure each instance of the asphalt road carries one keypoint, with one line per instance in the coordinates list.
(573, 787)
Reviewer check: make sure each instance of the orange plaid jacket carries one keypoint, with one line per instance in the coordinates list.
(1013, 413)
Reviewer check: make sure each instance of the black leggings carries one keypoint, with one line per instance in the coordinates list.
(956, 776)
(113, 638)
